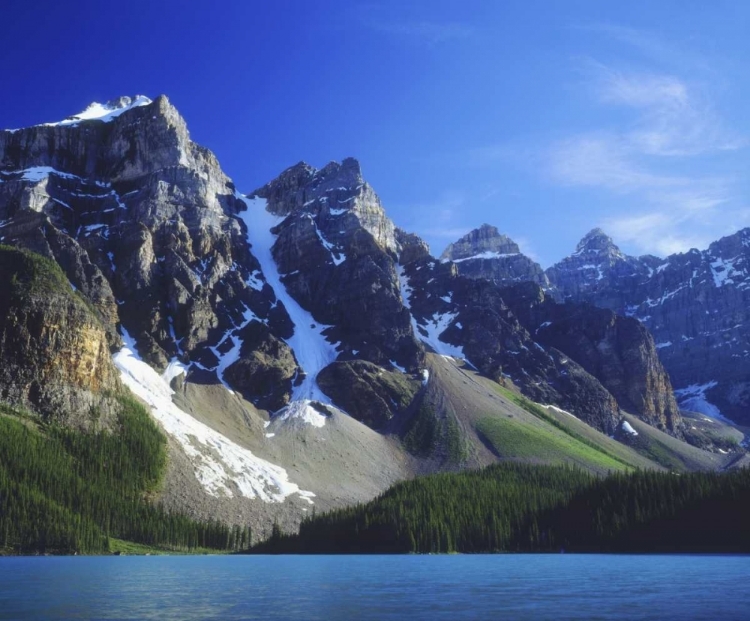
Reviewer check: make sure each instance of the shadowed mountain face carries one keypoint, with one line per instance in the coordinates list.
(695, 304)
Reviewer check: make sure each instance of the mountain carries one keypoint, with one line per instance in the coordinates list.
(297, 348)
(694, 303)
(616, 350)
(486, 253)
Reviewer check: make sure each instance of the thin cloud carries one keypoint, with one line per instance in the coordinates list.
(602, 160)
(651, 46)
(431, 33)
(651, 156)
(672, 117)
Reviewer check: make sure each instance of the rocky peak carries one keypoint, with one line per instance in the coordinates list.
(411, 247)
(335, 195)
(486, 241)
(597, 242)
(487, 253)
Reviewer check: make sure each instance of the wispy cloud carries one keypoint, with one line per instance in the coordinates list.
(672, 117)
(651, 156)
(652, 47)
(432, 33)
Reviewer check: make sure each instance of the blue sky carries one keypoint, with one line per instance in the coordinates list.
(542, 118)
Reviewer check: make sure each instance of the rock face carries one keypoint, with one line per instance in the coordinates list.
(469, 318)
(336, 250)
(141, 219)
(373, 394)
(485, 253)
(619, 351)
(695, 304)
(54, 356)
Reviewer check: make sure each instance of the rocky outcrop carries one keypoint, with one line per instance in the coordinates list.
(695, 304)
(265, 369)
(485, 253)
(54, 355)
(467, 317)
(410, 247)
(619, 351)
(373, 394)
(336, 252)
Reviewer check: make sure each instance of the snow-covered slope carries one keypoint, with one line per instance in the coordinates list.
(311, 348)
(220, 465)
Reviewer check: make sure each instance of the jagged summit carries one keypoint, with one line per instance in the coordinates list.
(597, 241)
(336, 196)
(487, 253)
(486, 242)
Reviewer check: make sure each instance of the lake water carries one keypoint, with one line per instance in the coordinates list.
(376, 587)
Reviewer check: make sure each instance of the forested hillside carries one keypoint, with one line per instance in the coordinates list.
(63, 491)
(522, 508)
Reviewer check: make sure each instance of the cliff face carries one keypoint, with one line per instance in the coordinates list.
(54, 356)
(471, 318)
(695, 304)
(141, 219)
(336, 251)
(619, 351)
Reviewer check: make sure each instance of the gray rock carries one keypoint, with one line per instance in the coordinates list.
(485, 253)
(695, 304)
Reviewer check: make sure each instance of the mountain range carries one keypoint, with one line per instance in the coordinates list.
(301, 351)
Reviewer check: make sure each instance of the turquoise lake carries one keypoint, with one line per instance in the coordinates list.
(328, 588)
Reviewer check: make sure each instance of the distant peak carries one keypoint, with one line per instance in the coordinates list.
(596, 240)
(485, 239)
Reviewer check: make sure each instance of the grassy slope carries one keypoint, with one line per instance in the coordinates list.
(671, 452)
(497, 424)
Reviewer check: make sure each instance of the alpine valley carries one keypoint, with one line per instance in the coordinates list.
(290, 351)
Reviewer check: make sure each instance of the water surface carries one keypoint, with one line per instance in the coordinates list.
(224, 588)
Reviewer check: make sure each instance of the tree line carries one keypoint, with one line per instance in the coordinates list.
(525, 508)
(64, 491)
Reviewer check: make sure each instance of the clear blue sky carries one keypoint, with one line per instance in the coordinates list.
(543, 118)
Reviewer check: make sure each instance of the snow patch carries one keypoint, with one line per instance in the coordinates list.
(302, 410)
(219, 463)
(174, 369)
(628, 428)
(397, 366)
(483, 255)
(102, 112)
(693, 398)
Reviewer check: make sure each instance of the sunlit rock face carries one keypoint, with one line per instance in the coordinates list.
(486, 253)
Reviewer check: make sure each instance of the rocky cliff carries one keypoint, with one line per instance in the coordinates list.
(619, 351)
(468, 318)
(695, 304)
(54, 355)
(141, 220)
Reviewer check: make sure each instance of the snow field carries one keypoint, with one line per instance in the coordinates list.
(221, 466)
